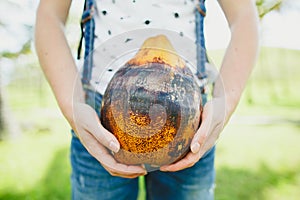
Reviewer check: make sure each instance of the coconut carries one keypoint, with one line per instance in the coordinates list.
(152, 105)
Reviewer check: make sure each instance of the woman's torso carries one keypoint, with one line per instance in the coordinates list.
(122, 26)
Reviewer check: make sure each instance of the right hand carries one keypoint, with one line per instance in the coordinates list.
(61, 72)
(98, 141)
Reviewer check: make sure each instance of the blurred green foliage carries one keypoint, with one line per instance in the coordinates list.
(266, 6)
(274, 80)
(256, 154)
(26, 49)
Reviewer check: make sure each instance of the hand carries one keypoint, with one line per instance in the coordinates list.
(213, 121)
(98, 141)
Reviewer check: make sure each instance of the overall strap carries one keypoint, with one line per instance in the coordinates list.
(87, 25)
(200, 41)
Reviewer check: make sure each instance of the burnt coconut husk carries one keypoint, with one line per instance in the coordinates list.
(152, 105)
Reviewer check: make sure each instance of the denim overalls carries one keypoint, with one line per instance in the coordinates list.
(91, 181)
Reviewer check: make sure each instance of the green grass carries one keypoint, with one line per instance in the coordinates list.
(257, 153)
(258, 161)
(275, 78)
(35, 162)
(35, 168)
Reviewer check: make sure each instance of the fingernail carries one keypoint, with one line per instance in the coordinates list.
(195, 147)
(113, 146)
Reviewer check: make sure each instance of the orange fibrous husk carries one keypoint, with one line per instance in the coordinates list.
(157, 49)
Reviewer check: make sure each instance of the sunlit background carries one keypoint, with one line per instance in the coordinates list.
(258, 154)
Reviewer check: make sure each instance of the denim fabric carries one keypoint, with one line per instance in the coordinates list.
(90, 181)
(195, 183)
(89, 36)
(200, 42)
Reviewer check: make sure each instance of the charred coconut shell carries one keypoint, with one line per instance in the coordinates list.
(152, 105)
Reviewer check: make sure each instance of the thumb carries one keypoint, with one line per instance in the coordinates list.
(95, 128)
(107, 138)
(202, 133)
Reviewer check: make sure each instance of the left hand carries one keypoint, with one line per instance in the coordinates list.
(214, 118)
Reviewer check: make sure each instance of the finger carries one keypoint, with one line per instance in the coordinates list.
(118, 169)
(121, 170)
(100, 133)
(107, 138)
(198, 140)
(188, 161)
(109, 163)
(122, 174)
(202, 133)
(211, 139)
